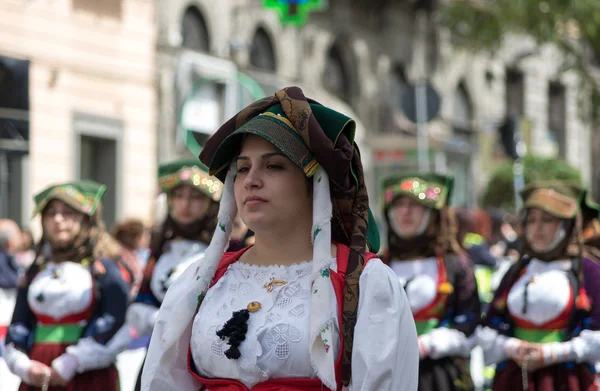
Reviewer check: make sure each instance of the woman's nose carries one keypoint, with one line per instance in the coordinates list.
(252, 179)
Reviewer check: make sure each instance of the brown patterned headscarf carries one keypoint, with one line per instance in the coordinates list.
(348, 194)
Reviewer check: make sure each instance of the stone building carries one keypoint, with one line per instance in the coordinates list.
(77, 100)
(361, 57)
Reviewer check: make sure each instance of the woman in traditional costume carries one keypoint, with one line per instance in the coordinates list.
(72, 300)
(436, 274)
(192, 197)
(541, 328)
(306, 307)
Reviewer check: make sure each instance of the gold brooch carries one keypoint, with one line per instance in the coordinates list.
(254, 306)
(269, 285)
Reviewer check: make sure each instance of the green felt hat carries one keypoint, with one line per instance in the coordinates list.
(560, 199)
(189, 172)
(274, 126)
(429, 189)
(83, 196)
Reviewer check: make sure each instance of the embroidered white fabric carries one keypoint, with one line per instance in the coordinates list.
(548, 288)
(420, 279)
(50, 294)
(547, 298)
(277, 339)
(180, 255)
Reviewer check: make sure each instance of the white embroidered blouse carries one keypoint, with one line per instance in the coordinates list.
(385, 355)
(541, 294)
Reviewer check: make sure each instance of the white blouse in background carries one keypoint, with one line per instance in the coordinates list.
(385, 354)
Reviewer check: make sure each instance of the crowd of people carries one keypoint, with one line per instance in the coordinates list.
(266, 274)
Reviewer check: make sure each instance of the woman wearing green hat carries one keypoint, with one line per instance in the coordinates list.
(541, 328)
(72, 301)
(306, 307)
(436, 274)
(192, 196)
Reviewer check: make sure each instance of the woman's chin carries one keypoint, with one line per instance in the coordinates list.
(62, 241)
(258, 224)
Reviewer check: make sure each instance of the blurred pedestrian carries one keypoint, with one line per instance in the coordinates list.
(72, 301)
(541, 327)
(437, 275)
(192, 197)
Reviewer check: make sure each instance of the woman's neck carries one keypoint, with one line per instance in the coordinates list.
(282, 248)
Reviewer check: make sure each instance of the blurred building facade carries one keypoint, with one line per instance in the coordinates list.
(361, 56)
(87, 108)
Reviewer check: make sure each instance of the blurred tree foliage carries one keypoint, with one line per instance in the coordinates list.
(572, 26)
(500, 192)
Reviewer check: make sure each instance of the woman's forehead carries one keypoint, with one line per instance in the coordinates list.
(540, 212)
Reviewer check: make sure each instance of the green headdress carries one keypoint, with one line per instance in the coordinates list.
(190, 172)
(431, 190)
(83, 196)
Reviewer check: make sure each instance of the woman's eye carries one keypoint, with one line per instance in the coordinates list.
(274, 167)
(242, 170)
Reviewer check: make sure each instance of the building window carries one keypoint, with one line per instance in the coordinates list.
(194, 32)
(335, 77)
(514, 93)
(97, 158)
(557, 116)
(262, 54)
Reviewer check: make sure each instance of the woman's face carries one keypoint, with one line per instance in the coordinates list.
(408, 215)
(541, 228)
(271, 192)
(188, 204)
(61, 223)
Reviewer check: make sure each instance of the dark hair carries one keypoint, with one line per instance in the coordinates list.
(128, 232)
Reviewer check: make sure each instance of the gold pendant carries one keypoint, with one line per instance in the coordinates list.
(269, 285)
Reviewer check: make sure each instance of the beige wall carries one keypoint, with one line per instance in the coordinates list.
(87, 58)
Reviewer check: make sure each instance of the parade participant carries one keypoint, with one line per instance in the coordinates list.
(192, 197)
(306, 307)
(541, 325)
(72, 300)
(437, 275)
